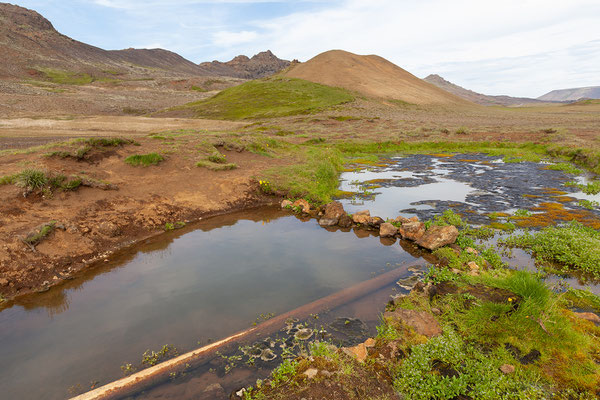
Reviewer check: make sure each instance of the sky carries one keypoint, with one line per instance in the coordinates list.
(514, 47)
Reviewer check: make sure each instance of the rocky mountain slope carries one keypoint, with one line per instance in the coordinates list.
(478, 98)
(259, 66)
(574, 94)
(372, 76)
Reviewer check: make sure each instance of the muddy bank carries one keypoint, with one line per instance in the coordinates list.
(51, 234)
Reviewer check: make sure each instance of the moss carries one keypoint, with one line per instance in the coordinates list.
(66, 77)
(267, 98)
(144, 160)
(216, 166)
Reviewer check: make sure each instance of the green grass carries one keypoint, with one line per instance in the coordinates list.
(31, 179)
(216, 166)
(570, 247)
(8, 179)
(565, 167)
(144, 160)
(66, 77)
(41, 234)
(267, 98)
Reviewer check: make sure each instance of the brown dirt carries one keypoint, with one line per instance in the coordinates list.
(97, 222)
(372, 76)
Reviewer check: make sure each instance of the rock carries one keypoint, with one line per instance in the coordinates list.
(359, 351)
(421, 321)
(399, 220)
(215, 389)
(473, 266)
(3, 281)
(412, 230)
(438, 236)
(375, 222)
(108, 228)
(311, 373)
(413, 219)
(456, 271)
(471, 251)
(436, 311)
(286, 204)
(507, 369)
(387, 230)
(303, 204)
(333, 210)
(588, 316)
(361, 217)
(370, 342)
(345, 221)
(328, 222)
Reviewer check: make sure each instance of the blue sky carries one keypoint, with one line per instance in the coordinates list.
(515, 47)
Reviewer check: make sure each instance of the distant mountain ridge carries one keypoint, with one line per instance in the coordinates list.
(573, 94)
(29, 42)
(259, 66)
(478, 98)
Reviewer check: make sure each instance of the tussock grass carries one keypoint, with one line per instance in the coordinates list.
(267, 98)
(216, 166)
(144, 160)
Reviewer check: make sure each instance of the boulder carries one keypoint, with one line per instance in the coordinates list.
(421, 321)
(507, 369)
(332, 213)
(361, 217)
(108, 228)
(286, 204)
(303, 204)
(438, 236)
(412, 230)
(345, 221)
(387, 230)
(399, 220)
(311, 373)
(328, 222)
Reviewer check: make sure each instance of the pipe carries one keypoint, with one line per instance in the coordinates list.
(159, 373)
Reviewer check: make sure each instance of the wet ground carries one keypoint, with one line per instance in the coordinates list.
(210, 280)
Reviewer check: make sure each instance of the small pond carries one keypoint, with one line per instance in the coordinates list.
(216, 277)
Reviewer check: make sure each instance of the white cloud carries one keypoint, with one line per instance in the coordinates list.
(227, 39)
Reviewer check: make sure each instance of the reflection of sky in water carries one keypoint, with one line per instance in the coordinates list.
(205, 284)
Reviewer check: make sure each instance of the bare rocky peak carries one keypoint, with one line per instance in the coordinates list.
(19, 17)
(258, 66)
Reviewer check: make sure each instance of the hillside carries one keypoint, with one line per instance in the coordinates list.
(574, 94)
(371, 76)
(475, 97)
(259, 66)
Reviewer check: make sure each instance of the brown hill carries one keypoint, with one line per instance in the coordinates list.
(478, 98)
(372, 76)
(573, 94)
(259, 66)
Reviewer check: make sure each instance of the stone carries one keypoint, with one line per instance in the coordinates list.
(286, 203)
(109, 229)
(507, 369)
(421, 321)
(369, 343)
(361, 217)
(412, 230)
(438, 236)
(3, 281)
(345, 221)
(436, 311)
(387, 230)
(333, 210)
(375, 222)
(303, 204)
(471, 250)
(473, 266)
(399, 220)
(328, 222)
(588, 316)
(359, 351)
(311, 373)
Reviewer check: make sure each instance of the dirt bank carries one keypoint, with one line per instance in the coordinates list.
(115, 204)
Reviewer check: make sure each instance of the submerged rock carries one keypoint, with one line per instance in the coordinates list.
(387, 230)
(303, 334)
(268, 355)
(438, 236)
(345, 221)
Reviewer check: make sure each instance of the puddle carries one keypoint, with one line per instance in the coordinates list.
(205, 282)
(214, 278)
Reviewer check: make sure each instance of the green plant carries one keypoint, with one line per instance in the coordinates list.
(589, 204)
(215, 166)
(43, 232)
(144, 159)
(462, 130)
(169, 226)
(8, 179)
(31, 179)
(150, 358)
(565, 167)
(436, 275)
(217, 158)
(522, 213)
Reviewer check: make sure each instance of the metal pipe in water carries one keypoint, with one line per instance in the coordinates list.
(159, 373)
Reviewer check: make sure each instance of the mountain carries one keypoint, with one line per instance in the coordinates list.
(475, 97)
(259, 66)
(574, 94)
(372, 76)
(29, 46)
